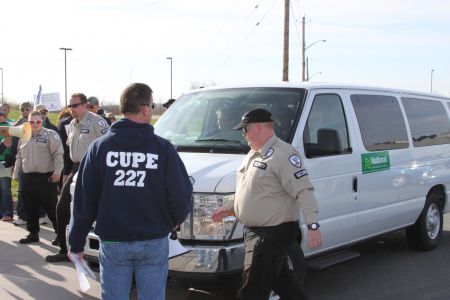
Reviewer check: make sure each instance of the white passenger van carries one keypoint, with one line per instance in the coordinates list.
(379, 160)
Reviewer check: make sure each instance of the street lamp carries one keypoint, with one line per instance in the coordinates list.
(303, 55)
(2, 83)
(431, 85)
(170, 58)
(65, 68)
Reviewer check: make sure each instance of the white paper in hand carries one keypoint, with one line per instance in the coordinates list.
(175, 248)
(83, 271)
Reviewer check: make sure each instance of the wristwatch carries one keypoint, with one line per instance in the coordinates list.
(313, 226)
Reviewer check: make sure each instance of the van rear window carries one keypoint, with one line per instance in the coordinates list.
(428, 121)
(380, 121)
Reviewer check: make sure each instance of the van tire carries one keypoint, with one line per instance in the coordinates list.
(426, 233)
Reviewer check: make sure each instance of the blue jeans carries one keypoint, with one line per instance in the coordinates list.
(147, 260)
(6, 202)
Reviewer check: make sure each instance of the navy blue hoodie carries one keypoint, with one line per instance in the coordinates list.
(133, 183)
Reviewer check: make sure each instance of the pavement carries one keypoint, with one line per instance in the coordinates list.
(24, 274)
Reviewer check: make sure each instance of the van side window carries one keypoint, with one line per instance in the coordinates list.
(326, 131)
(380, 121)
(428, 122)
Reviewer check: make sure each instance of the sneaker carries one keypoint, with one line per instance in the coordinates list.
(43, 221)
(31, 238)
(58, 257)
(19, 222)
(7, 219)
(55, 242)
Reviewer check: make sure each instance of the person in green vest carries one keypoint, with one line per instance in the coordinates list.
(6, 203)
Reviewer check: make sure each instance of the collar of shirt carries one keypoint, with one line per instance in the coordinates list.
(83, 121)
(267, 145)
(38, 134)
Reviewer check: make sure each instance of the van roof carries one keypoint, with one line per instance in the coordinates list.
(325, 85)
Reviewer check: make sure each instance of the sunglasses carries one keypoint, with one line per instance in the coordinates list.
(91, 106)
(246, 128)
(149, 105)
(75, 105)
(35, 122)
(24, 109)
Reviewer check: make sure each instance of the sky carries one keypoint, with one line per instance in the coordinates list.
(388, 43)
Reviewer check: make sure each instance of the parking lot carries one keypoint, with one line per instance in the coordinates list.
(387, 269)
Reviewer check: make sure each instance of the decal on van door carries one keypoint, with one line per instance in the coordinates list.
(375, 161)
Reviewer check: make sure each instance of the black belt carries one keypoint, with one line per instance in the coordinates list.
(36, 174)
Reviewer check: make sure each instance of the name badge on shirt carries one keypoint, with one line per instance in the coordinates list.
(41, 140)
(84, 130)
(300, 174)
(260, 165)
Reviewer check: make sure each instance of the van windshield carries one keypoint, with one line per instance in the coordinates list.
(204, 120)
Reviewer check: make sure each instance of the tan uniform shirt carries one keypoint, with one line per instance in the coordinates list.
(43, 153)
(81, 134)
(272, 187)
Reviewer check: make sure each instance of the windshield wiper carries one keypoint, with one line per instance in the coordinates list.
(221, 140)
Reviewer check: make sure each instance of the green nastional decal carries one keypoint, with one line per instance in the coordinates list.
(374, 162)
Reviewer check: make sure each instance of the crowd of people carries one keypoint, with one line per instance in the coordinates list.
(127, 172)
(22, 160)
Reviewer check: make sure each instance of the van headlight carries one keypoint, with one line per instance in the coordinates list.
(199, 224)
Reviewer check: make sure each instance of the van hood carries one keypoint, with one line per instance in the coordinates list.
(212, 172)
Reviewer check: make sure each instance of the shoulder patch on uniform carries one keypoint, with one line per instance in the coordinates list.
(268, 153)
(260, 165)
(105, 130)
(295, 161)
(300, 174)
(88, 123)
(101, 123)
(56, 136)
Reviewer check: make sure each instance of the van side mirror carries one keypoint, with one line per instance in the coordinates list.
(328, 143)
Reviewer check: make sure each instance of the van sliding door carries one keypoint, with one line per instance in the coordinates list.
(331, 165)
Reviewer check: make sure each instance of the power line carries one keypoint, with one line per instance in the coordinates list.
(235, 34)
(216, 36)
(246, 37)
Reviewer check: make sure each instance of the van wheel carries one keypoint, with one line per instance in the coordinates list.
(426, 233)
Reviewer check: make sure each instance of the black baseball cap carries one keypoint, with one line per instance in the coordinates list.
(256, 115)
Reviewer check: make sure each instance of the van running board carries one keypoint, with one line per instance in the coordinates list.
(331, 259)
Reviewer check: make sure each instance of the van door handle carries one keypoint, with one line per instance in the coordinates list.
(355, 184)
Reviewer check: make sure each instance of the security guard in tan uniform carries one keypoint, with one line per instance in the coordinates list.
(272, 187)
(41, 160)
(83, 130)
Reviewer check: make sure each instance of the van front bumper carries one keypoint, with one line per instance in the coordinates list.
(203, 266)
(207, 266)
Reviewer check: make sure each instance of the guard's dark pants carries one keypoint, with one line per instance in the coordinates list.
(39, 192)
(266, 265)
(63, 209)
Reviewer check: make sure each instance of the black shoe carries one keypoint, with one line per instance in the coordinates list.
(58, 257)
(55, 242)
(31, 238)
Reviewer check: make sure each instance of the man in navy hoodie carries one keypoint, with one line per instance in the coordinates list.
(135, 186)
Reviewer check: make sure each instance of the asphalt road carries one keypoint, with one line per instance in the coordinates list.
(387, 269)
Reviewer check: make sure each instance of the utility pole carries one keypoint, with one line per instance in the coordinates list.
(65, 69)
(303, 48)
(170, 58)
(431, 85)
(286, 42)
(2, 83)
